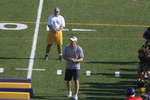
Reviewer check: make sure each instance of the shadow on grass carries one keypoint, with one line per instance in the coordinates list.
(123, 76)
(40, 97)
(24, 58)
(49, 97)
(96, 98)
(111, 62)
(16, 58)
(106, 91)
(95, 91)
(128, 70)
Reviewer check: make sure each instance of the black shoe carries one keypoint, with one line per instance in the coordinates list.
(46, 57)
(60, 58)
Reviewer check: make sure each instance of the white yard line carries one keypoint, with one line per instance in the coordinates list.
(83, 30)
(32, 69)
(33, 50)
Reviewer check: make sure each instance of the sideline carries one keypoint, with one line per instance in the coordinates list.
(34, 42)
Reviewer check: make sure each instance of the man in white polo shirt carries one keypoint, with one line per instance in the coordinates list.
(56, 24)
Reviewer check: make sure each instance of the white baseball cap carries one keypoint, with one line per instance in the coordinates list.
(56, 10)
(73, 38)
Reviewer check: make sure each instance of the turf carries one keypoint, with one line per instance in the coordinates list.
(113, 47)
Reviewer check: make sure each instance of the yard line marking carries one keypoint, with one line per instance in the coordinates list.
(66, 29)
(37, 69)
(1, 70)
(78, 30)
(83, 30)
(34, 42)
(118, 25)
(82, 24)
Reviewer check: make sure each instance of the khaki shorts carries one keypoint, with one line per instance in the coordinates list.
(56, 38)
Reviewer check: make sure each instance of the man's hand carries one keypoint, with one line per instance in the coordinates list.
(77, 60)
(73, 59)
(59, 29)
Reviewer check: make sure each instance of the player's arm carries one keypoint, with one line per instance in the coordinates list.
(68, 58)
(73, 59)
(62, 23)
(50, 27)
(65, 55)
(81, 56)
(78, 60)
(61, 28)
(50, 23)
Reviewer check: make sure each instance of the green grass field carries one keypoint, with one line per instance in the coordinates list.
(113, 47)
